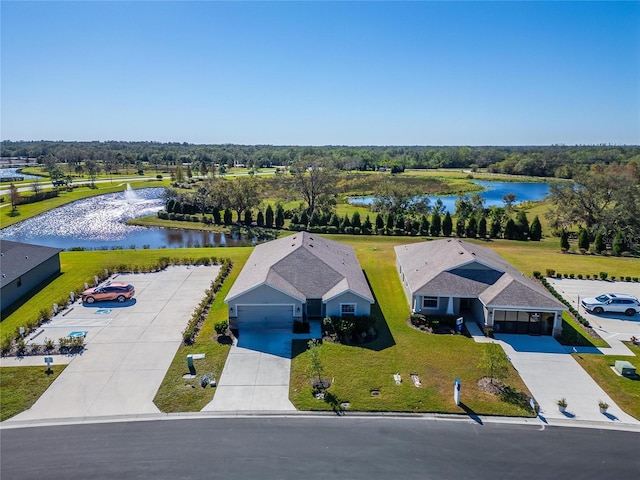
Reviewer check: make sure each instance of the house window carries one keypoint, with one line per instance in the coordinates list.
(429, 302)
(347, 309)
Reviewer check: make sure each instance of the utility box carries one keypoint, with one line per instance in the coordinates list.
(625, 368)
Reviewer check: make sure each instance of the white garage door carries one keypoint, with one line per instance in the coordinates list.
(275, 317)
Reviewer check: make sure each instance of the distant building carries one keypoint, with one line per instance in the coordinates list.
(24, 267)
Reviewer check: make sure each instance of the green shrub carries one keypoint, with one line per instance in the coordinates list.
(550, 272)
(579, 276)
(221, 327)
(603, 275)
(571, 275)
(536, 274)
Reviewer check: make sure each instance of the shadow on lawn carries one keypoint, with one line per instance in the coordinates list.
(385, 338)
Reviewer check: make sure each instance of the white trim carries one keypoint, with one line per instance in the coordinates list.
(370, 300)
(229, 299)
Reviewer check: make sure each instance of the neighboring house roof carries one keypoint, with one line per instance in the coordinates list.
(452, 267)
(18, 258)
(304, 266)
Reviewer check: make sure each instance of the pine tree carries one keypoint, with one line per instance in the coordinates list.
(482, 228)
(535, 231)
(391, 220)
(598, 243)
(379, 223)
(345, 222)
(495, 228)
(460, 223)
(564, 241)
(522, 225)
(355, 220)
(268, 220)
(335, 221)
(583, 240)
(248, 217)
(279, 216)
(304, 218)
(366, 225)
(447, 225)
(511, 230)
(260, 219)
(424, 225)
(227, 218)
(472, 228)
(619, 244)
(436, 225)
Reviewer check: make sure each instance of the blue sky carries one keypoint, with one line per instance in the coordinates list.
(319, 73)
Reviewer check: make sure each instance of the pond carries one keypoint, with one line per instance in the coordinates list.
(15, 172)
(493, 193)
(99, 223)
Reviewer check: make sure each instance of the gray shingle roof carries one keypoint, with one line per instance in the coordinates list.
(304, 266)
(17, 258)
(452, 267)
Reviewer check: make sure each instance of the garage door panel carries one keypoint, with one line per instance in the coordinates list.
(265, 316)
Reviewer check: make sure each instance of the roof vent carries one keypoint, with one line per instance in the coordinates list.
(26, 256)
(310, 238)
(473, 253)
(460, 252)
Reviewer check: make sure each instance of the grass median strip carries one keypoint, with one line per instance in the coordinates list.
(22, 386)
(623, 390)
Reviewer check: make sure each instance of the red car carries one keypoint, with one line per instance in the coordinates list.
(109, 291)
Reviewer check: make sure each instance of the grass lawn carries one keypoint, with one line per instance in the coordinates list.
(624, 391)
(437, 359)
(20, 387)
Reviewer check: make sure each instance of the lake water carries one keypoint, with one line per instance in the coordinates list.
(99, 223)
(14, 172)
(493, 193)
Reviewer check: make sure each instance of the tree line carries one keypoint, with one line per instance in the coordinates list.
(546, 161)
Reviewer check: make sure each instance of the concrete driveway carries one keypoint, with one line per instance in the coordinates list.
(614, 328)
(256, 374)
(550, 373)
(129, 348)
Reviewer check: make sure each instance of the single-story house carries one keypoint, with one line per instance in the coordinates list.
(455, 277)
(24, 267)
(302, 277)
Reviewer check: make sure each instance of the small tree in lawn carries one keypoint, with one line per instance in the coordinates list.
(482, 228)
(447, 225)
(279, 216)
(268, 217)
(436, 225)
(316, 368)
(564, 241)
(379, 223)
(260, 219)
(535, 231)
(619, 244)
(494, 362)
(598, 243)
(15, 198)
(583, 240)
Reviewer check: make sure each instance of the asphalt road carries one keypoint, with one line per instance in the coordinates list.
(317, 447)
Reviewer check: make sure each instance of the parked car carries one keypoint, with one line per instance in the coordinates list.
(612, 302)
(109, 291)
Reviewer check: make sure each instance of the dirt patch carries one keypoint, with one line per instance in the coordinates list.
(491, 385)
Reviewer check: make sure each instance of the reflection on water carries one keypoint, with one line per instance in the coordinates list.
(493, 194)
(98, 222)
(14, 172)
